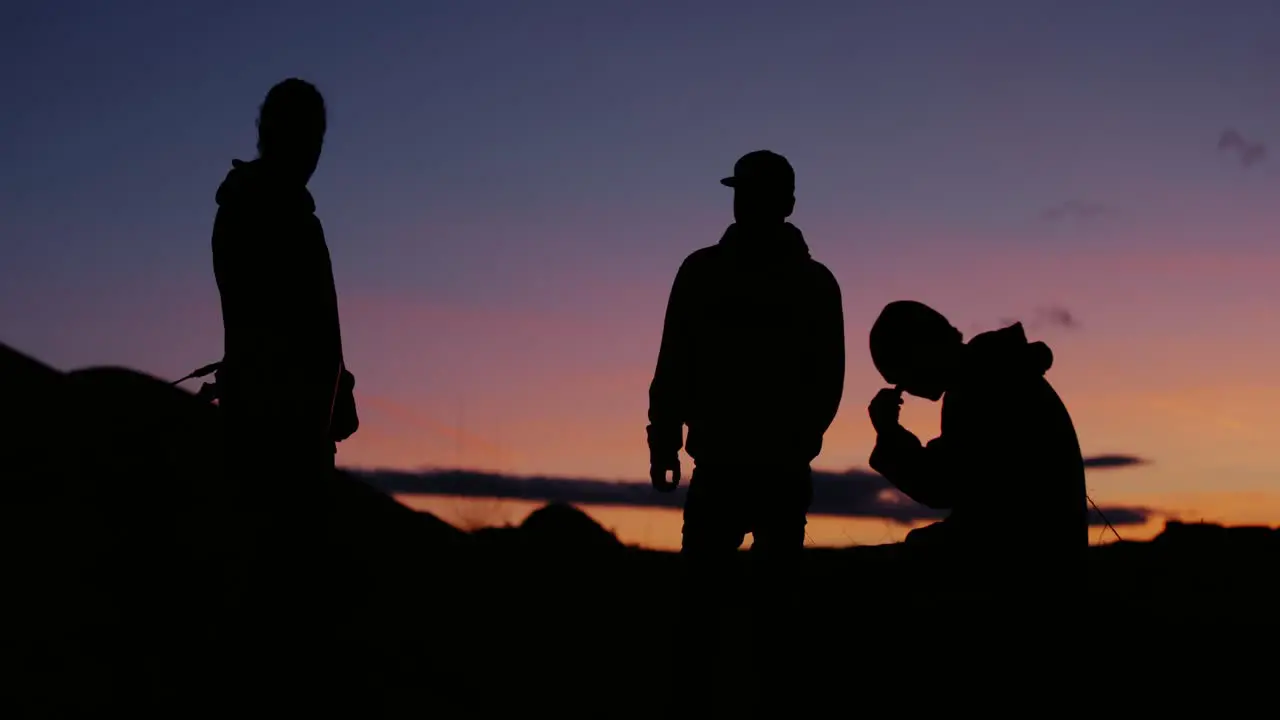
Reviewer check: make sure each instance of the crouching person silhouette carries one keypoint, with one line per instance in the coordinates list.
(752, 362)
(1007, 463)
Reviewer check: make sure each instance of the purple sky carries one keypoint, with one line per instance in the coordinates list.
(508, 188)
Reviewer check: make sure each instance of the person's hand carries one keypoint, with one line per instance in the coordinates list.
(658, 468)
(208, 392)
(344, 420)
(884, 409)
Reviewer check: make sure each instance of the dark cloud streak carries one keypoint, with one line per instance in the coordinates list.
(1249, 152)
(1057, 316)
(1106, 462)
(1076, 210)
(1054, 316)
(853, 494)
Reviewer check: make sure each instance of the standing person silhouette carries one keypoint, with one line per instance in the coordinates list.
(752, 361)
(282, 385)
(284, 392)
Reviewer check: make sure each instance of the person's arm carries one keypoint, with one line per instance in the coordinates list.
(240, 268)
(925, 473)
(829, 356)
(312, 311)
(277, 285)
(668, 392)
(251, 280)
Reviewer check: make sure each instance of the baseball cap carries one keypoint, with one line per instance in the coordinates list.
(762, 169)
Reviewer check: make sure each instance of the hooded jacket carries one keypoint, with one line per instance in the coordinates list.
(752, 353)
(1007, 462)
(281, 337)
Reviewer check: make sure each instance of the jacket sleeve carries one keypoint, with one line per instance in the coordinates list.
(829, 359)
(925, 473)
(311, 310)
(345, 420)
(282, 305)
(228, 270)
(669, 390)
(248, 275)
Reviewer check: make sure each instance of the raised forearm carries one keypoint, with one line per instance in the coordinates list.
(916, 470)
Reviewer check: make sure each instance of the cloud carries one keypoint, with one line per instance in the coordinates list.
(1054, 316)
(1077, 210)
(1249, 152)
(1119, 516)
(853, 493)
(1107, 462)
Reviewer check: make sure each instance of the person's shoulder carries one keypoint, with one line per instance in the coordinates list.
(822, 276)
(700, 259)
(704, 254)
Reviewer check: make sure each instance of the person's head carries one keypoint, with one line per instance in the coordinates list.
(915, 348)
(291, 125)
(764, 188)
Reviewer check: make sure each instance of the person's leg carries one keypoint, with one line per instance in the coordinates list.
(777, 553)
(712, 534)
(318, 609)
(340, 578)
(239, 646)
(282, 631)
(254, 461)
(779, 517)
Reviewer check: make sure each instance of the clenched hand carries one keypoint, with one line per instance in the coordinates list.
(658, 468)
(884, 409)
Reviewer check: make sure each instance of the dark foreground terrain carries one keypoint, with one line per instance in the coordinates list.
(132, 587)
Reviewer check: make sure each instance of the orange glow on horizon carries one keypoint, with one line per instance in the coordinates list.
(1173, 363)
(659, 528)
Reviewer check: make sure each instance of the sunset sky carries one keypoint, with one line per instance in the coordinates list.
(509, 187)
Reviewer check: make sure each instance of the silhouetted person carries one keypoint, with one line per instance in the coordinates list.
(284, 392)
(752, 361)
(1007, 463)
(282, 385)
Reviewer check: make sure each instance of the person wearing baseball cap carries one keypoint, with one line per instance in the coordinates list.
(762, 170)
(752, 362)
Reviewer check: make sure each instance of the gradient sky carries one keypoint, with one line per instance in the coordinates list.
(509, 187)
